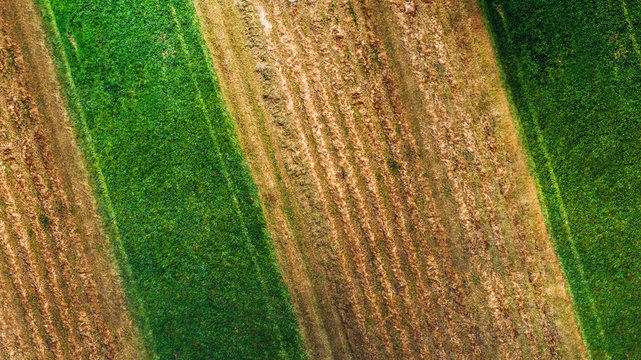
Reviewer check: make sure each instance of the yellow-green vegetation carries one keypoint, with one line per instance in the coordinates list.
(172, 181)
(574, 72)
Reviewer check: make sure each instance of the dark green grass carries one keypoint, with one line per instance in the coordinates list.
(172, 180)
(574, 76)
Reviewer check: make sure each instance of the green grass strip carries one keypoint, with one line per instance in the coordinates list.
(572, 71)
(172, 180)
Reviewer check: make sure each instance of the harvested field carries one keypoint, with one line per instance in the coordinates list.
(60, 293)
(394, 185)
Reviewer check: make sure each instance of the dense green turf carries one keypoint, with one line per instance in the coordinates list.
(173, 182)
(574, 73)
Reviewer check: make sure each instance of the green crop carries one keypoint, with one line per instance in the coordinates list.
(172, 180)
(573, 69)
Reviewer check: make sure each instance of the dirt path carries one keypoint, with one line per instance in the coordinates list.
(59, 286)
(393, 181)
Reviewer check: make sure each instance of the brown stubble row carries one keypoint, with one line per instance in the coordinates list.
(528, 235)
(60, 290)
(393, 183)
(469, 213)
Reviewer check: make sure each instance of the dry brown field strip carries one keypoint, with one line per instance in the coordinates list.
(59, 288)
(392, 178)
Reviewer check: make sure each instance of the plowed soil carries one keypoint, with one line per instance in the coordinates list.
(59, 290)
(392, 178)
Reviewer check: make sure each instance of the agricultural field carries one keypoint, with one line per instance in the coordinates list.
(172, 181)
(60, 293)
(574, 72)
(394, 185)
(319, 179)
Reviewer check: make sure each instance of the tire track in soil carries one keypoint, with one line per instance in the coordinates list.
(578, 344)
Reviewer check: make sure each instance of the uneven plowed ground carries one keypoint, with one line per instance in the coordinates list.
(60, 296)
(392, 178)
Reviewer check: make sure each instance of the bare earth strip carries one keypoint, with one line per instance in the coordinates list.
(59, 288)
(392, 178)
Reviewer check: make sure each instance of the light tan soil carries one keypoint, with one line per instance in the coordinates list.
(60, 292)
(392, 178)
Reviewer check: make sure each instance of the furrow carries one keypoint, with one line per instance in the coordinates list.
(299, 166)
(7, 337)
(427, 217)
(13, 155)
(17, 279)
(52, 283)
(337, 141)
(49, 219)
(297, 153)
(31, 286)
(488, 202)
(67, 239)
(12, 330)
(330, 168)
(349, 106)
(17, 317)
(32, 343)
(44, 171)
(502, 175)
(226, 175)
(483, 158)
(25, 112)
(449, 141)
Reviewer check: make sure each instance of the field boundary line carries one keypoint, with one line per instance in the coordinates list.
(566, 226)
(225, 171)
(556, 190)
(73, 100)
